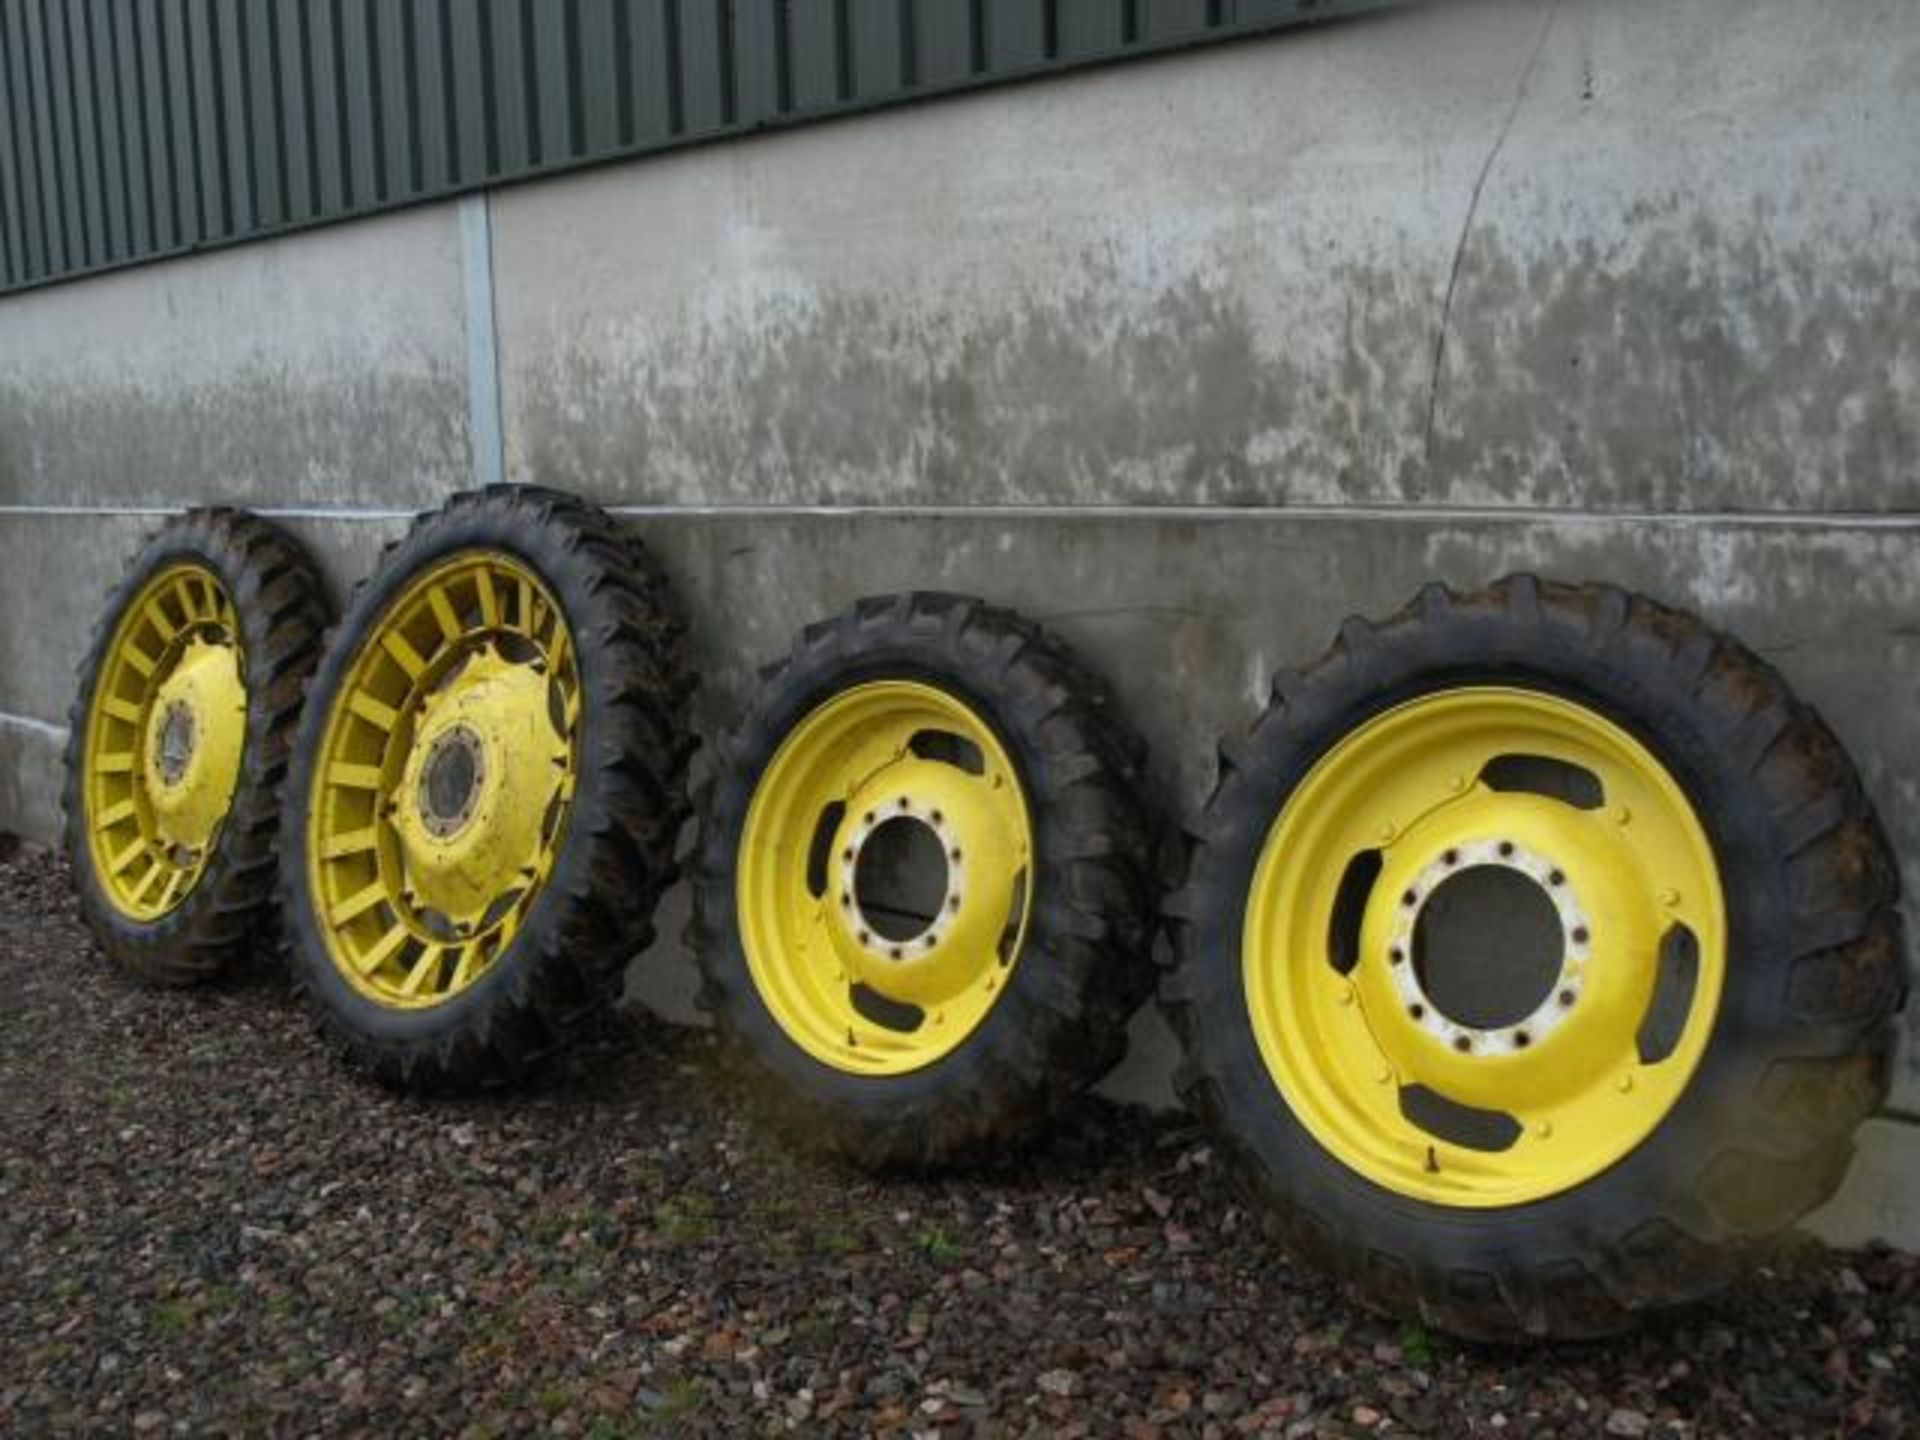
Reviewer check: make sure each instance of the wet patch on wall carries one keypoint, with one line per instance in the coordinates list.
(1680, 364)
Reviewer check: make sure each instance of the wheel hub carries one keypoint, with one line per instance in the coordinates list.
(1576, 949)
(196, 731)
(174, 747)
(451, 782)
(477, 790)
(943, 957)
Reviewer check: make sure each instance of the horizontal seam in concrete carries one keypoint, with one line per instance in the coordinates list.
(1896, 521)
(43, 728)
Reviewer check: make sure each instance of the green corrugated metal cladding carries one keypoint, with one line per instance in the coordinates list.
(132, 129)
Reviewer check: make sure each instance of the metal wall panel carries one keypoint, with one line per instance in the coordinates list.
(133, 129)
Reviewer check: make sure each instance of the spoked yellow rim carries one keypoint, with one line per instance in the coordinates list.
(1502, 1112)
(865, 984)
(166, 732)
(445, 777)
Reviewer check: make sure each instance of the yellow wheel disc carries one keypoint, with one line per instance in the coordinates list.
(166, 732)
(1344, 1006)
(864, 983)
(445, 779)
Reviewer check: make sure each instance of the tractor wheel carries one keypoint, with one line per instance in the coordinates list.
(486, 787)
(1536, 959)
(925, 893)
(178, 744)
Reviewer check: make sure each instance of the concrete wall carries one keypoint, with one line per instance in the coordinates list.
(1189, 358)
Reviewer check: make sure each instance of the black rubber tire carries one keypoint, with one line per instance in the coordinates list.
(567, 964)
(228, 916)
(1086, 967)
(1800, 1051)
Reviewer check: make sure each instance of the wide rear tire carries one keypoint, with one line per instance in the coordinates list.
(1611, 1170)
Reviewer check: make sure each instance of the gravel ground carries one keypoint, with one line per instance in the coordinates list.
(206, 1226)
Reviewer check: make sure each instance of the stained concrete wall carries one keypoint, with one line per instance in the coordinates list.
(1189, 358)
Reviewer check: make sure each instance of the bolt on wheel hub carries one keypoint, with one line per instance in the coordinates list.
(883, 934)
(1576, 949)
(451, 782)
(174, 747)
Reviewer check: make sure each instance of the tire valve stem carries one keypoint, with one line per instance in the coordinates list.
(1433, 1161)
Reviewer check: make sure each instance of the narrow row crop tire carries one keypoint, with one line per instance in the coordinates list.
(280, 608)
(1799, 1053)
(613, 855)
(1084, 965)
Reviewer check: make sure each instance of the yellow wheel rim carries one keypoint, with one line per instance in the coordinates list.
(166, 731)
(445, 777)
(1340, 992)
(864, 978)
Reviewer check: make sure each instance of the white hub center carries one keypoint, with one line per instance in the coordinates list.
(1576, 935)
